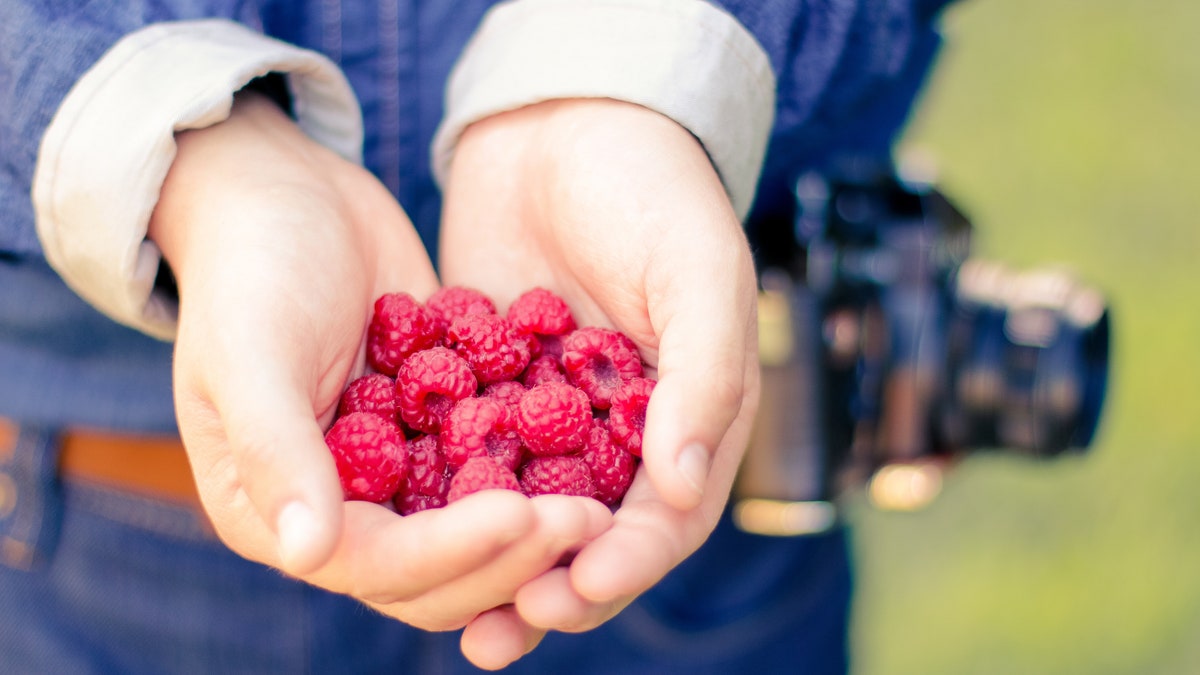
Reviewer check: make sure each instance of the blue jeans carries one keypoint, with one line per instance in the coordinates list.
(100, 581)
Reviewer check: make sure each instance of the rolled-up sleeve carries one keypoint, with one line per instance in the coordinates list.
(687, 59)
(110, 144)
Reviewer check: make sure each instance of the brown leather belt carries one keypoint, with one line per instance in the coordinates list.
(150, 466)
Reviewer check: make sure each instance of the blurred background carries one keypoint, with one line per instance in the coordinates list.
(1070, 132)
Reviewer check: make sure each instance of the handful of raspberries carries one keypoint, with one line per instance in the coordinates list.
(462, 398)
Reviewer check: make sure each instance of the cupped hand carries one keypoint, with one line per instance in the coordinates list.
(279, 248)
(619, 210)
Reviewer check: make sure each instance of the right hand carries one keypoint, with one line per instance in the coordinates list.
(620, 211)
(279, 248)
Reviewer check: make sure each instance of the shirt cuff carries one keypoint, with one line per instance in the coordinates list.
(686, 59)
(108, 148)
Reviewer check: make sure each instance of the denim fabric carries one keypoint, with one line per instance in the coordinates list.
(848, 72)
(62, 362)
(32, 504)
(132, 586)
(837, 61)
(45, 45)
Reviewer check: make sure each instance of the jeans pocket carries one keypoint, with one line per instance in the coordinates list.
(31, 497)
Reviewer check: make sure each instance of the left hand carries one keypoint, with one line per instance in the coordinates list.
(617, 209)
(280, 248)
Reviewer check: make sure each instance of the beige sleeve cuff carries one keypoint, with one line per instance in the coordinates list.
(107, 150)
(686, 59)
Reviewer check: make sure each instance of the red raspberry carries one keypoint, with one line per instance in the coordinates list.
(541, 312)
(450, 302)
(544, 368)
(373, 393)
(495, 350)
(428, 480)
(597, 359)
(371, 456)
(612, 466)
(553, 418)
(509, 392)
(399, 327)
(406, 505)
(481, 473)
(429, 384)
(548, 345)
(627, 416)
(481, 427)
(561, 475)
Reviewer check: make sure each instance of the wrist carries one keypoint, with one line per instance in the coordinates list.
(231, 168)
(561, 156)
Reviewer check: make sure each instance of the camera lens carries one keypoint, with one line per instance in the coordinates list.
(1027, 360)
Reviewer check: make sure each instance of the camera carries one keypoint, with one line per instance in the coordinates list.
(888, 353)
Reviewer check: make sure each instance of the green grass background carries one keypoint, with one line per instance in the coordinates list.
(1070, 131)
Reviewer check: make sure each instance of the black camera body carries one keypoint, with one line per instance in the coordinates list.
(888, 352)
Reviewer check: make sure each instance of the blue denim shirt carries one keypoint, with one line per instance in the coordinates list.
(847, 70)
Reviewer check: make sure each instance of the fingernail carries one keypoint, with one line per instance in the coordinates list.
(295, 527)
(692, 464)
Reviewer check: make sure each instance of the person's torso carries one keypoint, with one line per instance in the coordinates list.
(62, 362)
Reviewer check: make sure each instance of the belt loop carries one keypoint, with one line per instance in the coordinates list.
(30, 498)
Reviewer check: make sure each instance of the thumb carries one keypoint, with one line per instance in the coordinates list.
(288, 476)
(285, 469)
(259, 448)
(705, 348)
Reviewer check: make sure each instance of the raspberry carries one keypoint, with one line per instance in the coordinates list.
(561, 475)
(508, 392)
(406, 505)
(627, 416)
(541, 312)
(400, 326)
(371, 456)
(544, 368)
(495, 350)
(611, 466)
(429, 384)
(547, 345)
(487, 397)
(450, 302)
(481, 427)
(373, 393)
(427, 482)
(481, 473)
(597, 359)
(428, 472)
(553, 418)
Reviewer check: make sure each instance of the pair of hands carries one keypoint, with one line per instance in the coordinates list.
(280, 248)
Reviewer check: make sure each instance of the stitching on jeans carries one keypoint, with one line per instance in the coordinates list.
(27, 518)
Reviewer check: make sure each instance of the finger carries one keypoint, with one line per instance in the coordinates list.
(550, 602)
(498, 637)
(706, 346)
(562, 525)
(647, 539)
(385, 559)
